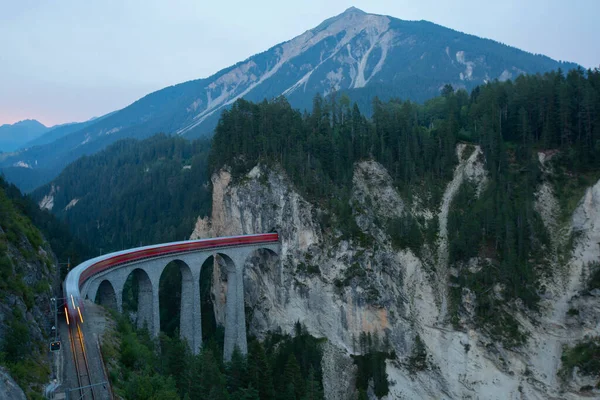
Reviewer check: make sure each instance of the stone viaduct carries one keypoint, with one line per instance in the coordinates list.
(109, 285)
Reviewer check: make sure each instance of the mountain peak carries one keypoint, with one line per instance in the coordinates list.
(30, 122)
(354, 10)
(19, 133)
(345, 20)
(26, 122)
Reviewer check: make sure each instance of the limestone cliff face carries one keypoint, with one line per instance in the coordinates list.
(29, 273)
(9, 390)
(340, 288)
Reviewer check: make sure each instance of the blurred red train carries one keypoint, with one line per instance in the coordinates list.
(84, 271)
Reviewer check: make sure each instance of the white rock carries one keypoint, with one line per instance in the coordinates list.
(400, 296)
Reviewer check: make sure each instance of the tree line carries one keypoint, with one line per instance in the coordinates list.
(282, 367)
(554, 113)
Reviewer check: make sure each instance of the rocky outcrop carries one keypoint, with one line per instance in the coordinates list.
(30, 299)
(47, 203)
(28, 270)
(9, 390)
(340, 288)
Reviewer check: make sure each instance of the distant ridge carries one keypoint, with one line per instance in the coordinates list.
(12, 136)
(363, 54)
(59, 131)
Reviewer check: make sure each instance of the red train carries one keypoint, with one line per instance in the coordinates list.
(80, 274)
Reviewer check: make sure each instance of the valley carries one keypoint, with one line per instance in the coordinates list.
(431, 201)
(363, 55)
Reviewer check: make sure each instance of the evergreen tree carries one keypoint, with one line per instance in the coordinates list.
(236, 372)
(293, 377)
(259, 371)
(313, 387)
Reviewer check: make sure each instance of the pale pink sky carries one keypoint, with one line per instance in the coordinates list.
(70, 60)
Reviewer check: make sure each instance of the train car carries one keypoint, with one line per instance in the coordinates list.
(77, 277)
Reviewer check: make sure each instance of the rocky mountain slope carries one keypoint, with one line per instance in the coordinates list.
(360, 53)
(341, 288)
(56, 132)
(27, 275)
(451, 233)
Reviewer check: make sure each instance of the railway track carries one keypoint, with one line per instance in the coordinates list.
(81, 364)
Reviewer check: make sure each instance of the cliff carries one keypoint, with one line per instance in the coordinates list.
(342, 287)
(27, 274)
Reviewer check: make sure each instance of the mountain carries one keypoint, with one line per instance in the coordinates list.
(362, 54)
(59, 131)
(448, 249)
(32, 242)
(141, 179)
(14, 136)
(27, 278)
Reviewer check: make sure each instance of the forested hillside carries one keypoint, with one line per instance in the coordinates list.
(32, 242)
(66, 246)
(361, 53)
(151, 191)
(511, 121)
(415, 141)
(27, 276)
(283, 367)
(132, 193)
(14, 136)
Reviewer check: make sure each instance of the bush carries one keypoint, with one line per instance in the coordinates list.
(585, 355)
(406, 233)
(16, 345)
(594, 282)
(418, 358)
(572, 312)
(371, 364)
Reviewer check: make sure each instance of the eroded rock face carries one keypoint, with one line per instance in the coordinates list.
(37, 274)
(340, 289)
(9, 390)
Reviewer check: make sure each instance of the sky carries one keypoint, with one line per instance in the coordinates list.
(71, 60)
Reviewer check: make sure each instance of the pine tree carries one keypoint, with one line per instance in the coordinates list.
(259, 371)
(313, 387)
(212, 381)
(236, 372)
(292, 376)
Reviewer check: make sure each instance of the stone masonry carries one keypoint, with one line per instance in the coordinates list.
(109, 286)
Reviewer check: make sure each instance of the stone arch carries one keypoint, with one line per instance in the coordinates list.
(175, 290)
(235, 323)
(262, 256)
(261, 274)
(142, 292)
(106, 295)
(226, 260)
(225, 265)
(264, 263)
(221, 266)
(212, 280)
